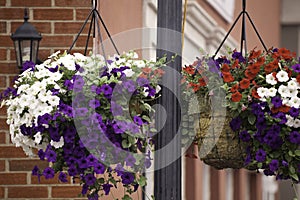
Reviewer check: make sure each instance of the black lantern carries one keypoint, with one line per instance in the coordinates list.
(26, 41)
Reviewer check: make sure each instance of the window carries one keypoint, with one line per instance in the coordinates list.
(224, 7)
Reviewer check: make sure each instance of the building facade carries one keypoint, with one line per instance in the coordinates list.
(132, 23)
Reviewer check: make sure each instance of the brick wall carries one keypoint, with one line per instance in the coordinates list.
(58, 21)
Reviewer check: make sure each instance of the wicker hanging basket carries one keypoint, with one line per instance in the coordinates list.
(218, 145)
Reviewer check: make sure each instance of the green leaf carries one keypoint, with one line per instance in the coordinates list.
(125, 144)
(297, 152)
(292, 169)
(126, 197)
(251, 119)
(295, 176)
(291, 154)
(142, 181)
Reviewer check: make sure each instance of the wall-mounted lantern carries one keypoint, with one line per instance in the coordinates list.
(26, 42)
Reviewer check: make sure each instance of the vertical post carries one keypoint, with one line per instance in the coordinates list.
(167, 181)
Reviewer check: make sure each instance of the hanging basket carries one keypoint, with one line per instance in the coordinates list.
(219, 146)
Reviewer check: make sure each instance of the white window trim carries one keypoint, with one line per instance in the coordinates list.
(224, 7)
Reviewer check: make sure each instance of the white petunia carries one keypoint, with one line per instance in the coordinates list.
(293, 84)
(282, 76)
(283, 91)
(295, 102)
(290, 121)
(58, 144)
(68, 62)
(297, 123)
(53, 100)
(128, 72)
(272, 92)
(139, 63)
(262, 92)
(38, 138)
(292, 92)
(271, 79)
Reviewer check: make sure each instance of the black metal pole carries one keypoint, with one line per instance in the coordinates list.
(167, 181)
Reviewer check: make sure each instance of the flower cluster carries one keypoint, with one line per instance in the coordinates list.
(88, 116)
(262, 93)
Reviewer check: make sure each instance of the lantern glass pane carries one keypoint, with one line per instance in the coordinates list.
(34, 50)
(18, 51)
(26, 48)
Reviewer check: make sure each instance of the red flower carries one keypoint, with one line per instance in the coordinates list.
(202, 81)
(146, 70)
(245, 83)
(254, 68)
(284, 108)
(298, 78)
(254, 54)
(236, 97)
(249, 74)
(189, 70)
(271, 66)
(143, 76)
(227, 77)
(159, 72)
(225, 68)
(289, 71)
(255, 94)
(234, 88)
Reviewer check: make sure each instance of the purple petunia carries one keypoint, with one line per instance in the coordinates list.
(282, 117)
(35, 171)
(260, 155)
(138, 120)
(129, 85)
(50, 155)
(106, 188)
(94, 103)
(69, 84)
(48, 173)
(142, 81)
(245, 136)
(294, 112)
(90, 179)
(72, 171)
(294, 137)
(63, 177)
(276, 101)
(127, 178)
(99, 168)
(296, 68)
(274, 164)
(106, 90)
(78, 83)
(236, 123)
(239, 56)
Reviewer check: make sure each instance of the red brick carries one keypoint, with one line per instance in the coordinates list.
(26, 165)
(53, 14)
(44, 54)
(56, 41)
(9, 68)
(3, 81)
(2, 2)
(73, 3)
(3, 27)
(3, 54)
(81, 42)
(3, 137)
(65, 191)
(41, 27)
(27, 192)
(2, 192)
(3, 111)
(5, 41)
(31, 3)
(13, 179)
(11, 152)
(70, 27)
(82, 14)
(12, 80)
(12, 13)
(43, 180)
(2, 165)
(3, 124)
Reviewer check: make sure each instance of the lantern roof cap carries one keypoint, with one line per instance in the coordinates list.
(26, 30)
